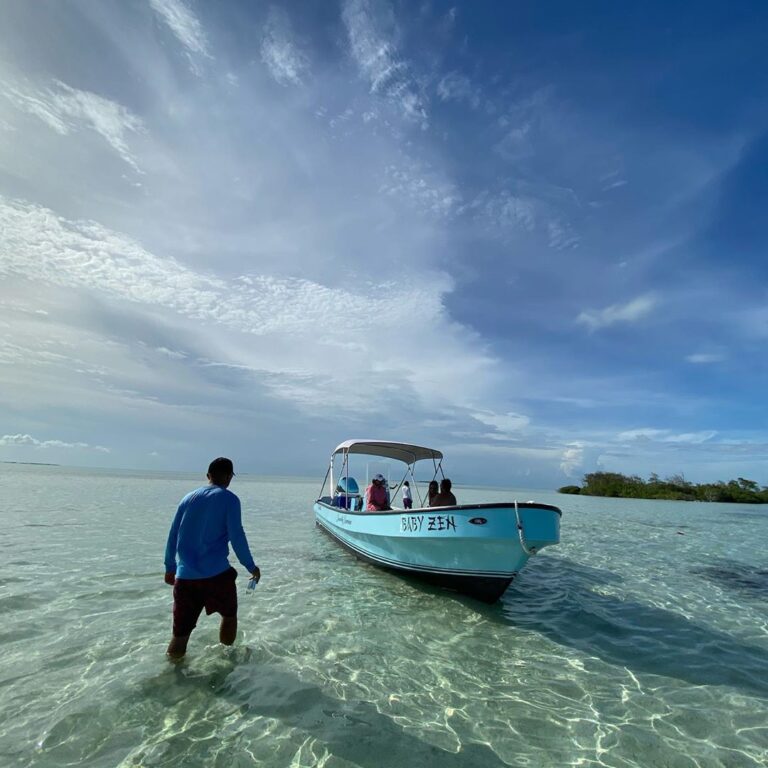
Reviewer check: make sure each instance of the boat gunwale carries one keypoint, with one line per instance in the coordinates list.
(457, 507)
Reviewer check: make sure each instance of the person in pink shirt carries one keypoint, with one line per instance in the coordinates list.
(376, 495)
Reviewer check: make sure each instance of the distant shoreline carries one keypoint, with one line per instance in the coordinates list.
(32, 463)
(675, 488)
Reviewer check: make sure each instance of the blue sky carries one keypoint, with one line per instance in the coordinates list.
(530, 234)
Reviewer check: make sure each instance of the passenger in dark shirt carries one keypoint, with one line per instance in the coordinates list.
(432, 492)
(445, 498)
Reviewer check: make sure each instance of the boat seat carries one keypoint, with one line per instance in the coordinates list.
(351, 502)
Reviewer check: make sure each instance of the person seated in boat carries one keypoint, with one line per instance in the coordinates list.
(445, 498)
(432, 490)
(376, 496)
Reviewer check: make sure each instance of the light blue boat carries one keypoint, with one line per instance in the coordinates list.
(476, 549)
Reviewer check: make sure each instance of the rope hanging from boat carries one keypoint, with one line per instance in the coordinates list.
(521, 534)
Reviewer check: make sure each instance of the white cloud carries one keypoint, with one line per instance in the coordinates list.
(506, 424)
(524, 122)
(371, 28)
(534, 209)
(572, 459)
(630, 312)
(466, 448)
(692, 438)
(67, 109)
(28, 440)
(560, 236)
(517, 143)
(37, 103)
(421, 187)
(704, 358)
(240, 179)
(643, 434)
(457, 87)
(81, 254)
(172, 353)
(279, 52)
(666, 436)
(293, 324)
(184, 25)
(507, 211)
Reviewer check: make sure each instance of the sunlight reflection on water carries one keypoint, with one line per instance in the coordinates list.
(629, 644)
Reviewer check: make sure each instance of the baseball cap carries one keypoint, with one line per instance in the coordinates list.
(379, 477)
(221, 466)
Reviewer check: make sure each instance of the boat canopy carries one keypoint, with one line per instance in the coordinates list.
(400, 451)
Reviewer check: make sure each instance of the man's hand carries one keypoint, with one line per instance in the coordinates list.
(170, 579)
(256, 574)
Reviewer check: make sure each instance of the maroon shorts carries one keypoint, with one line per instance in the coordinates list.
(216, 594)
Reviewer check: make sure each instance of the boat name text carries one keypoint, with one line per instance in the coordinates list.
(416, 523)
(343, 520)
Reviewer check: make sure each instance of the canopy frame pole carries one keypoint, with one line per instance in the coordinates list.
(400, 485)
(325, 479)
(416, 485)
(438, 468)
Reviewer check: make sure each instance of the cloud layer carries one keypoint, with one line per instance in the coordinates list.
(28, 440)
(268, 227)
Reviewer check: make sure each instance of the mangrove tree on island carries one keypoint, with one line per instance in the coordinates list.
(676, 487)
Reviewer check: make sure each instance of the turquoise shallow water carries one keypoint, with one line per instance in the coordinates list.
(642, 640)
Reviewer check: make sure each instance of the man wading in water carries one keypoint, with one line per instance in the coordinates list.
(206, 521)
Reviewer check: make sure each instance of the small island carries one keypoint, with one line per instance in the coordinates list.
(676, 487)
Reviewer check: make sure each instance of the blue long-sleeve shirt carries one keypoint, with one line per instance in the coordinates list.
(206, 521)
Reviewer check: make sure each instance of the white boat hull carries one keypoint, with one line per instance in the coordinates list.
(475, 549)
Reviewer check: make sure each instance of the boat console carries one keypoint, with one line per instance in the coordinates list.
(347, 494)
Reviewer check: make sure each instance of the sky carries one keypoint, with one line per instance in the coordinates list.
(530, 234)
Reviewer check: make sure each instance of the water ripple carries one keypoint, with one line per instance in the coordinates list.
(629, 645)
